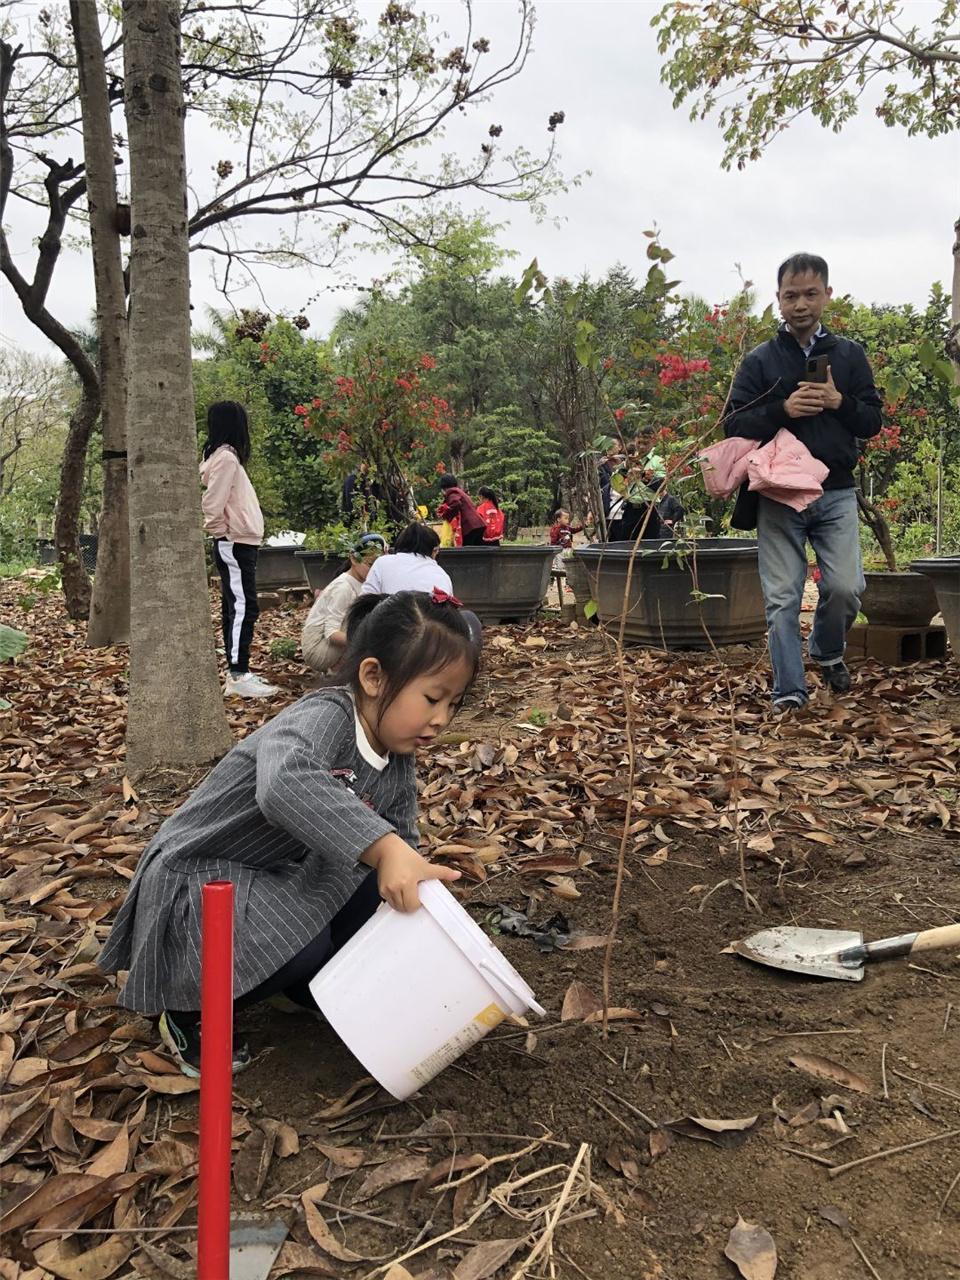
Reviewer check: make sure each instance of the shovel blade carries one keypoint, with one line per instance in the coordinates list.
(810, 951)
(254, 1245)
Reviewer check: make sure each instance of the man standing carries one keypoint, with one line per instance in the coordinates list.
(777, 387)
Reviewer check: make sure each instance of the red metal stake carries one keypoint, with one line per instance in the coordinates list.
(216, 1082)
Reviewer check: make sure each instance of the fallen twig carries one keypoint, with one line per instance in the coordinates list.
(937, 1088)
(547, 1236)
(894, 1151)
(947, 1194)
(630, 1107)
(883, 1070)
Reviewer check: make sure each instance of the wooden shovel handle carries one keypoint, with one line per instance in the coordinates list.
(904, 945)
(930, 939)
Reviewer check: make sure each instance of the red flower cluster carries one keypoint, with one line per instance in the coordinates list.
(888, 440)
(674, 368)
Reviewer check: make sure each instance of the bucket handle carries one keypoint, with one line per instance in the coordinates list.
(501, 979)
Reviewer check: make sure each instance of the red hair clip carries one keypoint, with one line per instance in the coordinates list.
(442, 597)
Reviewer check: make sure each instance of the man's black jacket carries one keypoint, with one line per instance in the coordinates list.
(771, 373)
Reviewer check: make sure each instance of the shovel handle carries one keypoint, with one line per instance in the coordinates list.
(903, 945)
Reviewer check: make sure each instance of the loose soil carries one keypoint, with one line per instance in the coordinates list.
(858, 798)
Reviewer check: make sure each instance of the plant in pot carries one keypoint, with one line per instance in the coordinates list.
(324, 551)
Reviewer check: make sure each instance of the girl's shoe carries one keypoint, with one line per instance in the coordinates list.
(249, 686)
(183, 1040)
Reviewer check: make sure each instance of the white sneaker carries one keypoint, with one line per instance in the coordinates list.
(249, 686)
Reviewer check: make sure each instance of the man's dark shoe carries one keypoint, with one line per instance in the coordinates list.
(837, 676)
(790, 703)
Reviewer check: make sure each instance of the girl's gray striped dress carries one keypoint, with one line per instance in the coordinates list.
(285, 816)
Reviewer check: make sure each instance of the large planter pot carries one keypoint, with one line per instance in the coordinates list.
(320, 568)
(944, 573)
(279, 567)
(660, 609)
(500, 584)
(898, 599)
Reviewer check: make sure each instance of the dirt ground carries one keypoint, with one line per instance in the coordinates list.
(848, 816)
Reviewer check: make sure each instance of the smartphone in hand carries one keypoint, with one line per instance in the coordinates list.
(817, 368)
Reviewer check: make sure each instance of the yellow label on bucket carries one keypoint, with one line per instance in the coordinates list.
(458, 1043)
(491, 1016)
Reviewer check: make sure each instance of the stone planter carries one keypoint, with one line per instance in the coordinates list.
(500, 584)
(944, 573)
(898, 599)
(661, 612)
(279, 567)
(320, 568)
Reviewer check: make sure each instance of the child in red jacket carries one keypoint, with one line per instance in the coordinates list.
(456, 503)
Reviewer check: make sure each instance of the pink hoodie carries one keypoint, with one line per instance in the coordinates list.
(784, 470)
(230, 506)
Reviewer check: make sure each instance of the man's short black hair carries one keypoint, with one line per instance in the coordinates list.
(799, 263)
(447, 481)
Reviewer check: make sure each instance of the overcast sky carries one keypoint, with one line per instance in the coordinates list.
(880, 206)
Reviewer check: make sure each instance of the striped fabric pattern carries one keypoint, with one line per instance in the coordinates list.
(275, 819)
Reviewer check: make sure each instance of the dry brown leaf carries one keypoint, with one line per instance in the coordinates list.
(324, 1237)
(346, 1157)
(65, 1259)
(722, 1133)
(587, 941)
(563, 887)
(288, 1141)
(579, 1003)
(398, 1272)
(302, 1260)
(752, 1251)
(614, 1014)
(252, 1163)
(164, 1084)
(825, 1069)
(484, 1260)
(661, 1140)
(61, 1187)
(392, 1174)
(83, 1041)
(445, 1169)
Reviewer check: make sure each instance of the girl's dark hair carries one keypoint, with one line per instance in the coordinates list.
(227, 424)
(448, 481)
(490, 496)
(417, 540)
(409, 636)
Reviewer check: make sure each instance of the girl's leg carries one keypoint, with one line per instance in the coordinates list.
(294, 977)
(228, 603)
(239, 583)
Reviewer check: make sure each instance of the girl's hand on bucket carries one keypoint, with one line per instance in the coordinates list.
(400, 869)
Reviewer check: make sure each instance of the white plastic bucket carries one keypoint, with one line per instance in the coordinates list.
(412, 991)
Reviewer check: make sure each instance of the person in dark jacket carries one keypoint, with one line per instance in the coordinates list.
(456, 503)
(772, 391)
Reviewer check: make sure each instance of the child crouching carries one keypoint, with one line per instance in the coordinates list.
(313, 819)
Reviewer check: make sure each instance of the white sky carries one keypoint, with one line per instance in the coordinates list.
(880, 206)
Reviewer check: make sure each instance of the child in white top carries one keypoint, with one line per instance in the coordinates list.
(324, 638)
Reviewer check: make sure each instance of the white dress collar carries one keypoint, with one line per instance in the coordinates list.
(372, 758)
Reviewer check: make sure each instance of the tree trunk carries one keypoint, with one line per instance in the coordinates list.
(66, 525)
(176, 715)
(110, 605)
(953, 336)
(876, 522)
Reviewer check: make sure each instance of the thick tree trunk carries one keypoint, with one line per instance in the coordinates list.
(66, 526)
(953, 336)
(110, 605)
(176, 715)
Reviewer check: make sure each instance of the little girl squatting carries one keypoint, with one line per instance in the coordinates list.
(313, 819)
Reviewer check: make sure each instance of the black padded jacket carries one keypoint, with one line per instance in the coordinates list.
(771, 373)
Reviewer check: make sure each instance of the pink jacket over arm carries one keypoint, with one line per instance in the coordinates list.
(230, 506)
(783, 470)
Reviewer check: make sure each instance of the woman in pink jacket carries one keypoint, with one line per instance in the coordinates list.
(231, 513)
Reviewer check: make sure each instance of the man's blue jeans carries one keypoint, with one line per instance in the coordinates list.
(830, 526)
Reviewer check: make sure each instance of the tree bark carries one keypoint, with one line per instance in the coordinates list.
(876, 522)
(110, 604)
(953, 336)
(176, 715)
(66, 523)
